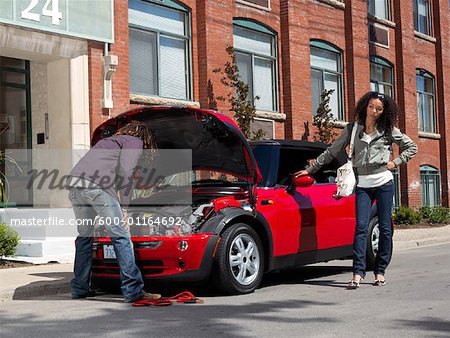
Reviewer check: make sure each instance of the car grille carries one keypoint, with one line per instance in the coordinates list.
(147, 267)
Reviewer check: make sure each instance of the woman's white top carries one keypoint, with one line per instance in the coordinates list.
(374, 180)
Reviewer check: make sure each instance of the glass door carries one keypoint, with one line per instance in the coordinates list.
(15, 132)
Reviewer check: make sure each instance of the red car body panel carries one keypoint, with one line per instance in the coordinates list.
(166, 259)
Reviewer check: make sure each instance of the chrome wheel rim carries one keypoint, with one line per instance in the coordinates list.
(375, 238)
(244, 259)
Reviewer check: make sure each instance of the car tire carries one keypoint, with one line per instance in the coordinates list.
(237, 268)
(373, 239)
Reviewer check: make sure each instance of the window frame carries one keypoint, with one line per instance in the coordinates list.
(319, 44)
(383, 63)
(428, 172)
(429, 27)
(252, 25)
(433, 115)
(371, 4)
(187, 38)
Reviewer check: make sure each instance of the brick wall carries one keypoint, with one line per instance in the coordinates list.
(296, 23)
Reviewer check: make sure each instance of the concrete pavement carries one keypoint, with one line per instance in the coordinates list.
(39, 280)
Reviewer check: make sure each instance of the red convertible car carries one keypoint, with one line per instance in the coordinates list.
(246, 217)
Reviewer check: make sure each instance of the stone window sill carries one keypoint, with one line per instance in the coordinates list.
(334, 3)
(384, 22)
(280, 117)
(433, 136)
(152, 100)
(249, 4)
(424, 37)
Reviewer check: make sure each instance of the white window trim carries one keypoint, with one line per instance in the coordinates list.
(388, 35)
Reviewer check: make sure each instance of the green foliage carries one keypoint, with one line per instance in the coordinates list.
(425, 212)
(9, 239)
(238, 96)
(406, 215)
(323, 119)
(435, 214)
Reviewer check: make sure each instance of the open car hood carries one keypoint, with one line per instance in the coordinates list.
(215, 140)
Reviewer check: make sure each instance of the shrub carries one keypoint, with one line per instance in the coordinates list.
(439, 215)
(9, 239)
(425, 212)
(406, 215)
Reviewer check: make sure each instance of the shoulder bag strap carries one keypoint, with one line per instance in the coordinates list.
(352, 139)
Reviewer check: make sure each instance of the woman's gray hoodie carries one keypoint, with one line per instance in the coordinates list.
(369, 158)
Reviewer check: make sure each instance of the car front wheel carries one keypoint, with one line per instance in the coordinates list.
(239, 263)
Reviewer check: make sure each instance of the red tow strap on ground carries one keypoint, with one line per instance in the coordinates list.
(183, 297)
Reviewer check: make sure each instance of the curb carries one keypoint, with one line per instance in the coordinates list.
(420, 243)
(34, 281)
(29, 292)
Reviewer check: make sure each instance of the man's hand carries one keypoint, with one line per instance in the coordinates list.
(125, 219)
(300, 174)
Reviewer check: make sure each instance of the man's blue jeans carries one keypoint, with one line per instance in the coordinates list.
(87, 204)
(383, 195)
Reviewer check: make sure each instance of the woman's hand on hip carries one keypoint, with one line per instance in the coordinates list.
(391, 165)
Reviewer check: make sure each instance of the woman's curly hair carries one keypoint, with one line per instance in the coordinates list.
(387, 120)
(141, 130)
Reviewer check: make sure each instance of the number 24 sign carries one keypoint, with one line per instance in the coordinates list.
(50, 9)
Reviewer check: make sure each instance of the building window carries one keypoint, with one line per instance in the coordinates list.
(256, 57)
(326, 73)
(422, 16)
(381, 76)
(159, 49)
(429, 185)
(426, 101)
(379, 8)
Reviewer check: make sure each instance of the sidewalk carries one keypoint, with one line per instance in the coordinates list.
(39, 280)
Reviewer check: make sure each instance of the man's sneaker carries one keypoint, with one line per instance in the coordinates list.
(144, 296)
(90, 293)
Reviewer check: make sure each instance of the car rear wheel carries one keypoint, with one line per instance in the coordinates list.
(239, 262)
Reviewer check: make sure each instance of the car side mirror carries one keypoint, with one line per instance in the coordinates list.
(303, 181)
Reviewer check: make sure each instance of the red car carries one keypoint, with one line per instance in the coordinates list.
(246, 217)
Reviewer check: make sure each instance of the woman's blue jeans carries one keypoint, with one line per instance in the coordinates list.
(87, 204)
(383, 195)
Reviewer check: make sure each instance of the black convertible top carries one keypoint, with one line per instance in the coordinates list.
(292, 144)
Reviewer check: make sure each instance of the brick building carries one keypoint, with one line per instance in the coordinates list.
(288, 51)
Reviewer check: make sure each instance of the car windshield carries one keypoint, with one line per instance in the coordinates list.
(277, 163)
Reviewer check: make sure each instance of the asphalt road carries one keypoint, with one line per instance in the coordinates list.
(307, 302)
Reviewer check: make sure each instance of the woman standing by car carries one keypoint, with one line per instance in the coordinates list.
(375, 115)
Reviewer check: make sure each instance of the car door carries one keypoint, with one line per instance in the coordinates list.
(313, 219)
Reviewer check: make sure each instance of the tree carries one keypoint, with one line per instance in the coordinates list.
(238, 96)
(324, 120)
